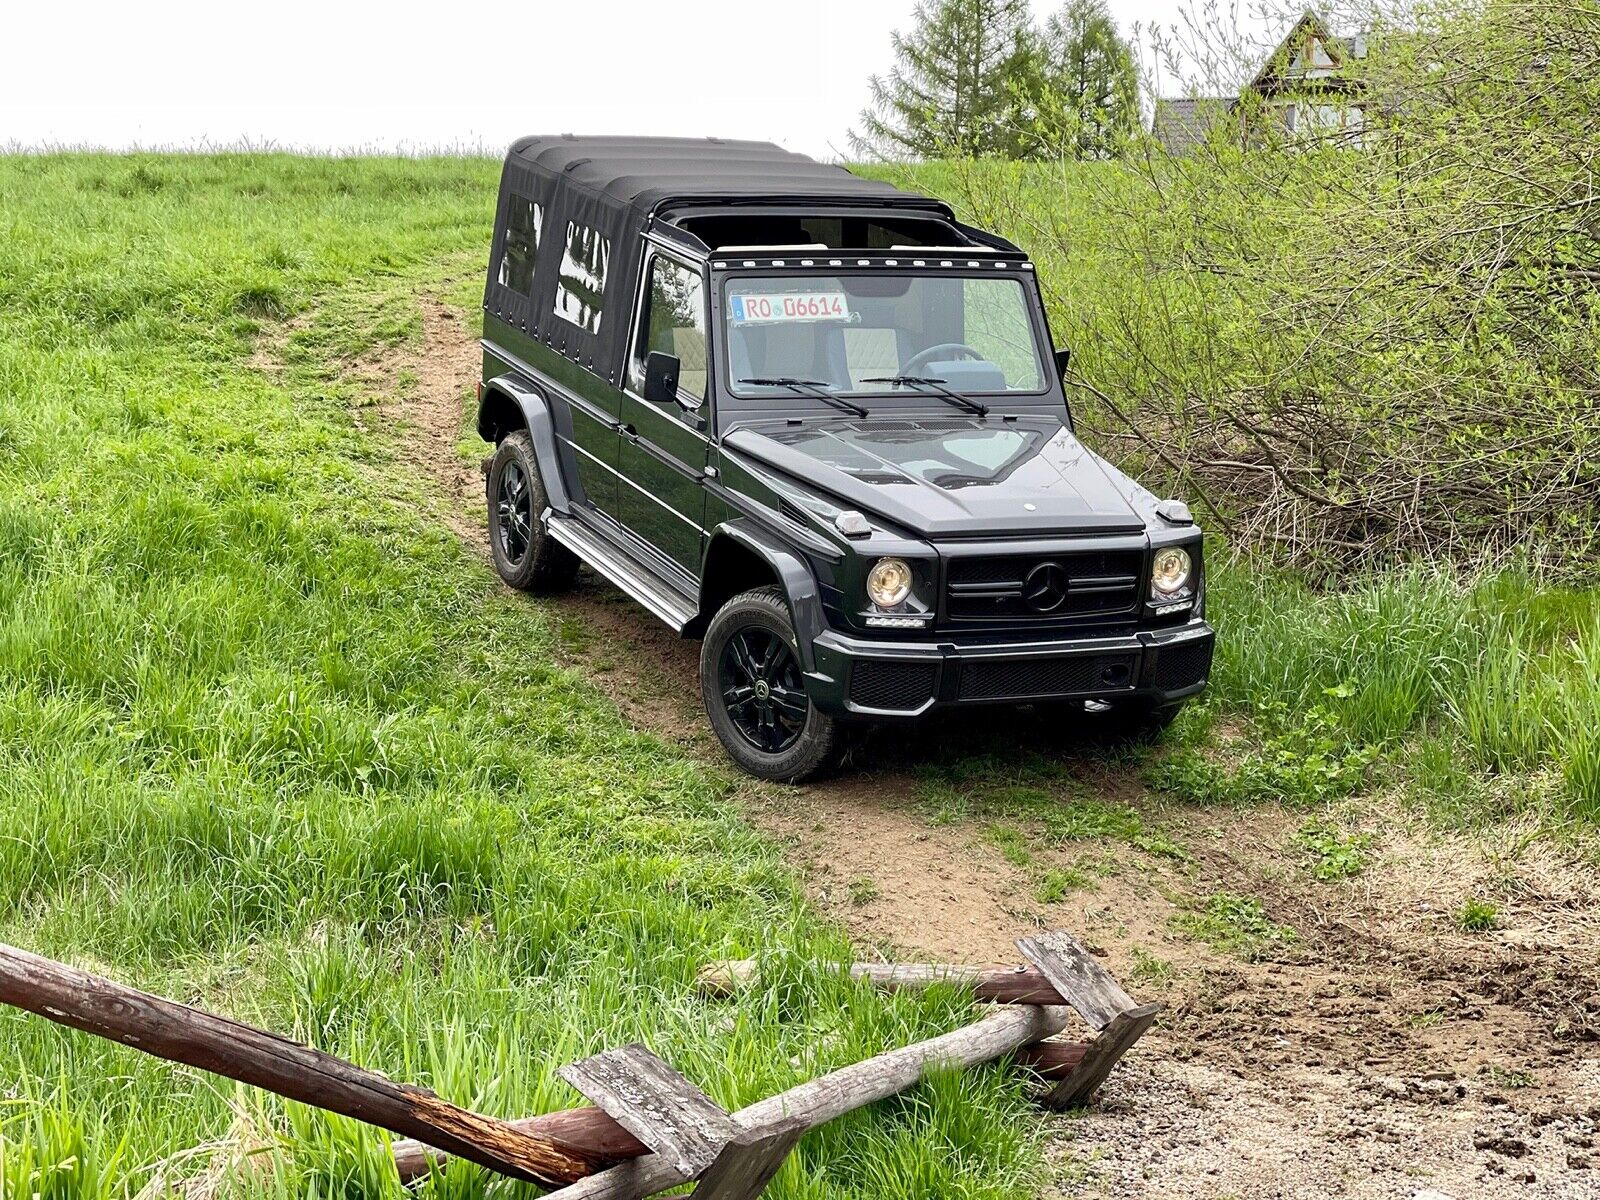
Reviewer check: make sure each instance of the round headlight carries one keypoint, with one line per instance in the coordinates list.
(889, 582)
(1170, 571)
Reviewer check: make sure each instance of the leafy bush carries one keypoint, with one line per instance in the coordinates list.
(1353, 354)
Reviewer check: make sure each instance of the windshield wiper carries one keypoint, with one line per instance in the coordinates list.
(810, 387)
(936, 386)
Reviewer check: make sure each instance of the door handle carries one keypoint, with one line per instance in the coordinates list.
(629, 432)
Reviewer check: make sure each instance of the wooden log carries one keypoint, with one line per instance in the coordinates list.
(586, 1131)
(656, 1104)
(186, 1035)
(749, 1161)
(1103, 1053)
(1052, 1059)
(593, 1132)
(845, 1090)
(1077, 975)
(992, 983)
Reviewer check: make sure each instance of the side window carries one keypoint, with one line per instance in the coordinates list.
(674, 322)
(581, 288)
(523, 223)
(997, 326)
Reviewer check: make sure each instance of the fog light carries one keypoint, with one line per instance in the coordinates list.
(1169, 574)
(889, 582)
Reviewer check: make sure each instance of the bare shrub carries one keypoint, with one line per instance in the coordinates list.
(1357, 344)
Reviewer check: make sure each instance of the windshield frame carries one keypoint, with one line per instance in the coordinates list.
(885, 399)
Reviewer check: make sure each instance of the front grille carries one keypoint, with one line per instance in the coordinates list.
(1023, 678)
(1038, 587)
(1181, 666)
(891, 685)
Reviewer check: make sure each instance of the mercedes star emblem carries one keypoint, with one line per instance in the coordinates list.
(1045, 588)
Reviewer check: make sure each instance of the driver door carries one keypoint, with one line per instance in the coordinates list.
(663, 457)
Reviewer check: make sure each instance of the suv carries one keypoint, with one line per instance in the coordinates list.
(814, 421)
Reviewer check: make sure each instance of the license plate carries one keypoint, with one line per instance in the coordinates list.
(790, 306)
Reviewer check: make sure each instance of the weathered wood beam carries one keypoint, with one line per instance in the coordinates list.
(1103, 1053)
(749, 1161)
(992, 983)
(828, 1096)
(199, 1039)
(656, 1104)
(590, 1131)
(1077, 975)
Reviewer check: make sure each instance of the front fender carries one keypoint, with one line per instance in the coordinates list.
(795, 577)
(536, 416)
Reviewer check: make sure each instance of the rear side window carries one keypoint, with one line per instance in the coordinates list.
(581, 288)
(523, 224)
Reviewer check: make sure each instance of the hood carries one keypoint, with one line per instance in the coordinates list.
(950, 477)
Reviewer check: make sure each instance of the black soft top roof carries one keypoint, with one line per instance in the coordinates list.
(587, 201)
(644, 174)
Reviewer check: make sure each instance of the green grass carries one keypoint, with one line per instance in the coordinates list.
(1236, 925)
(1331, 853)
(1477, 915)
(1055, 884)
(272, 741)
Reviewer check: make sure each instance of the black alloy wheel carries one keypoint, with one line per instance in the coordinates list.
(514, 514)
(762, 690)
(755, 692)
(524, 553)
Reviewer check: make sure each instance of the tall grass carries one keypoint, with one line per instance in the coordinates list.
(273, 742)
(1502, 667)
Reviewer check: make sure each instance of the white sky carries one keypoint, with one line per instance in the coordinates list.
(405, 76)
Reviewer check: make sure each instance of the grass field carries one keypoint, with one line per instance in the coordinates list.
(272, 740)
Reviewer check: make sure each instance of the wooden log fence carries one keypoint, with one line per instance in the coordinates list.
(650, 1128)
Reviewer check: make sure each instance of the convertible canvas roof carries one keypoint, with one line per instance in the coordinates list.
(587, 200)
(643, 174)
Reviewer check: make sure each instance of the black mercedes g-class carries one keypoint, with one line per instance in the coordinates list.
(815, 421)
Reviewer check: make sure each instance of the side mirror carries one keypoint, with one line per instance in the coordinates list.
(1063, 357)
(661, 377)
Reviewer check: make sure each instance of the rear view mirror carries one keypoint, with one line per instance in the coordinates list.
(661, 377)
(1063, 358)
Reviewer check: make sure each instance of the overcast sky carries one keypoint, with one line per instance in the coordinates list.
(404, 76)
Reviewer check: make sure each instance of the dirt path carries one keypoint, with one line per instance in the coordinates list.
(1380, 1053)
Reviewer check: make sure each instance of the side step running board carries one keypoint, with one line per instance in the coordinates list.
(661, 598)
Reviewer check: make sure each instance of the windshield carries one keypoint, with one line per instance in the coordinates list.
(879, 333)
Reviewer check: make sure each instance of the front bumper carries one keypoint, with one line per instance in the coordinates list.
(860, 677)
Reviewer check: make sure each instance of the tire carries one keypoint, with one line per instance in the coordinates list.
(524, 553)
(776, 733)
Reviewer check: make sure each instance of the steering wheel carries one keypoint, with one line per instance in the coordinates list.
(945, 350)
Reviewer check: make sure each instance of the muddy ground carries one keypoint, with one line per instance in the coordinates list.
(1380, 1053)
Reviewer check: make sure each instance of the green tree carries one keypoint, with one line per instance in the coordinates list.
(1085, 90)
(958, 85)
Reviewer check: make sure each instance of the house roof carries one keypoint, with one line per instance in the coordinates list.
(1182, 124)
(642, 174)
(1278, 65)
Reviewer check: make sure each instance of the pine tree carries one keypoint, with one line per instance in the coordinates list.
(956, 86)
(1086, 90)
